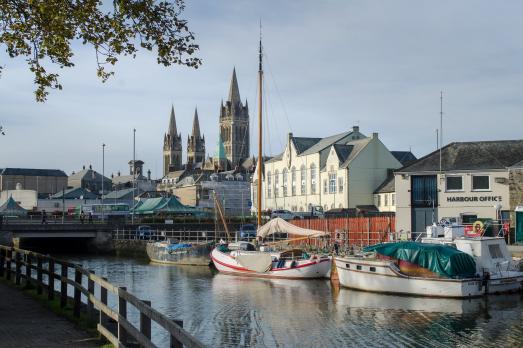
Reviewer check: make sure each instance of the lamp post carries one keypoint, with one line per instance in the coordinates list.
(103, 178)
(134, 172)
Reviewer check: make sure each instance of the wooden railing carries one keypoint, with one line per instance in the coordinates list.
(55, 276)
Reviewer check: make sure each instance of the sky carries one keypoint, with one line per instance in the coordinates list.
(329, 65)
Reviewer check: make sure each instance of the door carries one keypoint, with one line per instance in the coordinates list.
(423, 217)
(424, 201)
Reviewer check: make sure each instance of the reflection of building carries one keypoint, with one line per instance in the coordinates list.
(477, 180)
(44, 181)
(340, 171)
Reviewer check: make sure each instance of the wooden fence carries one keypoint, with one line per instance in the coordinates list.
(353, 230)
(44, 272)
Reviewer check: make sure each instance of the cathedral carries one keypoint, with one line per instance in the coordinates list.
(233, 144)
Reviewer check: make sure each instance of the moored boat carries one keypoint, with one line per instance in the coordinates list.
(173, 252)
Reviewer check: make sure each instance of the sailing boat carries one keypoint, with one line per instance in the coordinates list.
(244, 258)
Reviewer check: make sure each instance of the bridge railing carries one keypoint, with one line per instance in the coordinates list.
(57, 277)
(164, 234)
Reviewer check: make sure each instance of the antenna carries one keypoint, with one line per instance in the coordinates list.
(440, 127)
(260, 50)
(437, 139)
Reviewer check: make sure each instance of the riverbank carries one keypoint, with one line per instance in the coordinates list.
(27, 322)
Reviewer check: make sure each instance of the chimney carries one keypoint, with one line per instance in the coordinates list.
(149, 175)
(374, 135)
(90, 166)
(356, 128)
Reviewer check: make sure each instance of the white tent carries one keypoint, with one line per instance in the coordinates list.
(278, 225)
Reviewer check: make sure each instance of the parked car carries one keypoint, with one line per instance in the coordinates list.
(285, 215)
(144, 232)
(247, 232)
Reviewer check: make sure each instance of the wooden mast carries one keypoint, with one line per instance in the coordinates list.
(260, 162)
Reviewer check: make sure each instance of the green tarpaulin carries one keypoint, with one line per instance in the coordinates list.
(441, 259)
(163, 205)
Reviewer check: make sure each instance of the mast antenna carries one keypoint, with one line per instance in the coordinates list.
(440, 127)
(259, 166)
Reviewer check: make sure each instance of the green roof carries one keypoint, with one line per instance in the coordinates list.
(163, 205)
(441, 259)
(11, 208)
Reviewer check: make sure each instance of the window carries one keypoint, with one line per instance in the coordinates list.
(340, 185)
(372, 269)
(303, 177)
(347, 265)
(313, 179)
(269, 184)
(358, 267)
(379, 200)
(332, 182)
(393, 199)
(454, 183)
(325, 186)
(495, 251)
(480, 183)
(386, 199)
(276, 184)
(284, 182)
(293, 181)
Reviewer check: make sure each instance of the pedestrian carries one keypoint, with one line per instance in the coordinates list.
(82, 217)
(90, 217)
(44, 217)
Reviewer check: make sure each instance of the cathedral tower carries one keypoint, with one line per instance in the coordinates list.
(172, 147)
(234, 125)
(195, 143)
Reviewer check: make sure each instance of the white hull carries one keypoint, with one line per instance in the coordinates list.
(303, 269)
(383, 276)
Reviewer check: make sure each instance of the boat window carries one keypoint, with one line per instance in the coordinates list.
(372, 269)
(347, 265)
(495, 251)
(358, 267)
(247, 247)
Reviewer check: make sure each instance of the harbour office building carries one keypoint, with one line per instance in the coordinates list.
(476, 180)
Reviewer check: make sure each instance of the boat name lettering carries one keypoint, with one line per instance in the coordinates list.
(475, 199)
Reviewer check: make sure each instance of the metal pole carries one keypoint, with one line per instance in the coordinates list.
(260, 162)
(103, 177)
(134, 171)
(63, 204)
(440, 128)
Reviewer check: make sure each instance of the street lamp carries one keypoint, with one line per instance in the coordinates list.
(103, 177)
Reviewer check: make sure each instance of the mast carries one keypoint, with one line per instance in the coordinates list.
(440, 128)
(259, 165)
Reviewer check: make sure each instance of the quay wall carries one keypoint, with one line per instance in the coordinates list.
(130, 247)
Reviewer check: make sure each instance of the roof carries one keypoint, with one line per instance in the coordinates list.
(404, 157)
(12, 208)
(518, 165)
(275, 158)
(479, 155)
(162, 205)
(301, 144)
(75, 193)
(357, 145)
(33, 172)
(343, 151)
(326, 142)
(122, 194)
(387, 186)
(122, 179)
(88, 174)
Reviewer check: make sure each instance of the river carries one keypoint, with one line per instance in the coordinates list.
(231, 311)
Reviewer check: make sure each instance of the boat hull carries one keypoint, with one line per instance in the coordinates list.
(197, 255)
(306, 269)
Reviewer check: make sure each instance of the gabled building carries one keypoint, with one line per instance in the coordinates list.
(89, 179)
(471, 180)
(339, 171)
(44, 181)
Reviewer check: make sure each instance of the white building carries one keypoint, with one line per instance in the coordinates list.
(340, 171)
(476, 180)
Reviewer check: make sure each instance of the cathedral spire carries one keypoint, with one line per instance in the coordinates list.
(196, 125)
(234, 91)
(173, 132)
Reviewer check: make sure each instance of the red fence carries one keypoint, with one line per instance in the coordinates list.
(353, 230)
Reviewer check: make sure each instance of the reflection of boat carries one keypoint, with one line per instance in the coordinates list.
(172, 252)
(243, 259)
(472, 267)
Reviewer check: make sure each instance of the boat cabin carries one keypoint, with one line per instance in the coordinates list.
(243, 246)
(490, 253)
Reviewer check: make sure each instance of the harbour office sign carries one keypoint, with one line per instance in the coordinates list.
(474, 199)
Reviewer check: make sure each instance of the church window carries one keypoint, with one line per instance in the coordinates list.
(332, 182)
(269, 184)
(284, 179)
(303, 177)
(313, 179)
(293, 181)
(276, 183)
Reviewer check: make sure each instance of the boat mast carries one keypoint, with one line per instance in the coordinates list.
(259, 165)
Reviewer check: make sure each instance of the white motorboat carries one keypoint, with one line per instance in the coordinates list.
(439, 267)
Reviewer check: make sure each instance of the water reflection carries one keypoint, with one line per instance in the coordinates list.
(229, 311)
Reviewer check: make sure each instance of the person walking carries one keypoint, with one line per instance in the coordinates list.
(44, 217)
(82, 217)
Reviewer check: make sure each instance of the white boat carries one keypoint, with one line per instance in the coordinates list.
(494, 270)
(243, 258)
(177, 253)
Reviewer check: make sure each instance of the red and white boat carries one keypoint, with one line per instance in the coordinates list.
(242, 258)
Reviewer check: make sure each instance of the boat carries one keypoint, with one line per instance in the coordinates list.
(177, 253)
(455, 266)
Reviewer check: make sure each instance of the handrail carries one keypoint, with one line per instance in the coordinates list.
(19, 264)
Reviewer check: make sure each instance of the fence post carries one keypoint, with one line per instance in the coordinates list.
(8, 263)
(39, 288)
(50, 280)
(77, 293)
(90, 289)
(174, 341)
(103, 299)
(63, 285)
(2, 262)
(122, 312)
(18, 268)
(145, 322)
(28, 265)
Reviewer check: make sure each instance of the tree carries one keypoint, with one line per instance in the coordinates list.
(42, 31)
